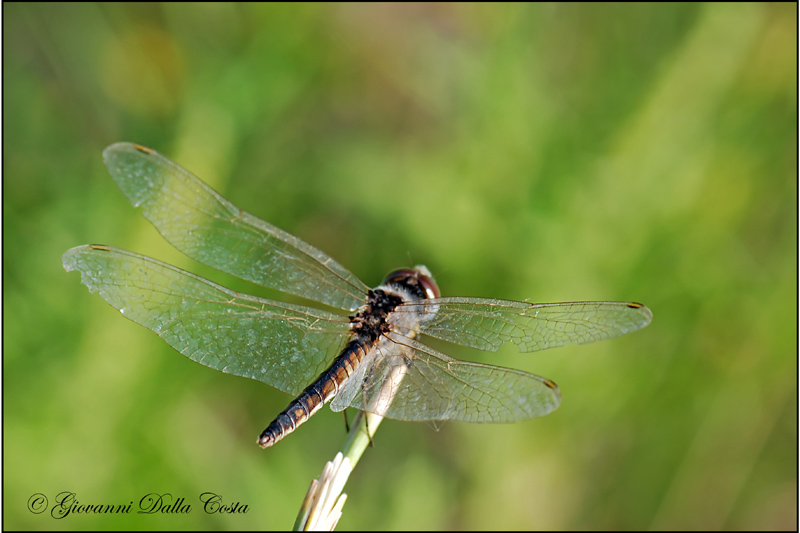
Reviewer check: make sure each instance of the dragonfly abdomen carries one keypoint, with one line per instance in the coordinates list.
(320, 392)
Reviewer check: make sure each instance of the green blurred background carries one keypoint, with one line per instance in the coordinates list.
(542, 152)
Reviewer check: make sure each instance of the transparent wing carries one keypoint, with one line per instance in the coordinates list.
(411, 381)
(207, 227)
(488, 324)
(351, 387)
(283, 345)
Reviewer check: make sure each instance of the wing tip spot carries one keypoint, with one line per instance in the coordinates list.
(143, 149)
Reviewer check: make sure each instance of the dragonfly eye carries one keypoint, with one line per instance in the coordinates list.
(418, 278)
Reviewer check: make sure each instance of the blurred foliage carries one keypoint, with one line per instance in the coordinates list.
(551, 152)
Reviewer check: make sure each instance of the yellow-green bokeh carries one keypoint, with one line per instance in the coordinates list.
(544, 152)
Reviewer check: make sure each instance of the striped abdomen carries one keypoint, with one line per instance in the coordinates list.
(321, 391)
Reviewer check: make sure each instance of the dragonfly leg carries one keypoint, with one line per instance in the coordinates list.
(346, 422)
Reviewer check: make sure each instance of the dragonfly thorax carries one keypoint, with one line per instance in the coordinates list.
(370, 321)
(399, 287)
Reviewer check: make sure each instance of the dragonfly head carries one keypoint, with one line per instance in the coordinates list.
(418, 280)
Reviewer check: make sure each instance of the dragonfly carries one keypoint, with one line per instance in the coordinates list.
(368, 356)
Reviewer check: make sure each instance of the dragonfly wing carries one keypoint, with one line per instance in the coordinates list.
(207, 227)
(488, 324)
(350, 388)
(283, 345)
(414, 382)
